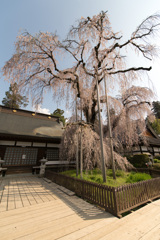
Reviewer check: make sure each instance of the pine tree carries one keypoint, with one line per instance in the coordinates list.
(59, 113)
(13, 98)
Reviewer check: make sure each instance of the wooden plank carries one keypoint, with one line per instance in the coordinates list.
(23, 194)
(18, 200)
(34, 209)
(31, 225)
(40, 230)
(4, 200)
(65, 190)
(154, 233)
(37, 192)
(84, 229)
(99, 232)
(49, 193)
(39, 216)
(65, 231)
(11, 199)
(134, 226)
(31, 195)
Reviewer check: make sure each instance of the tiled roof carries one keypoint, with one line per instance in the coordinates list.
(26, 123)
(152, 137)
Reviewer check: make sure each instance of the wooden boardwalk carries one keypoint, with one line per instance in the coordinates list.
(31, 208)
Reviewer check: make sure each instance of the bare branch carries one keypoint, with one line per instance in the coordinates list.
(130, 69)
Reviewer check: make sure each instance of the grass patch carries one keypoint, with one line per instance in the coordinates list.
(122, 177)
(137, 177)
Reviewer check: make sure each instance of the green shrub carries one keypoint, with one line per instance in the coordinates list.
(156, 160)
(137, 177)
(157, 157)
(129, 157)
(140, 160)
(156, 166)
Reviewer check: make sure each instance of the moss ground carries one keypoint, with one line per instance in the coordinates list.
(122, 177)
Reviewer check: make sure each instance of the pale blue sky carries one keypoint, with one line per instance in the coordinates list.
(59, 15)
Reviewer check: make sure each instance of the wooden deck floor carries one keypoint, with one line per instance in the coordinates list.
(31, 208)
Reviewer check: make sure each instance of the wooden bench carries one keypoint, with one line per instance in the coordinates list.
(35, 169)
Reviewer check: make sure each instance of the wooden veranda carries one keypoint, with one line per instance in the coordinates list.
(33, 208)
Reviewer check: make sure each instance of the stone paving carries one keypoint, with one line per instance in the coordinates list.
(32, 208)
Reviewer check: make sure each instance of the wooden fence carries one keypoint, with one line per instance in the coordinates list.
(116, 200)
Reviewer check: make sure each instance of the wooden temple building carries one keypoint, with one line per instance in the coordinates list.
(26, 137)
(153, 143)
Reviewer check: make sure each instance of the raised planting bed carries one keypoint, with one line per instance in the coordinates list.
(116, 200)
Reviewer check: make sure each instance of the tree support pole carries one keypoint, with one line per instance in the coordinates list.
(101, 134)
(77, 149)
(110, 132)
(81, 148)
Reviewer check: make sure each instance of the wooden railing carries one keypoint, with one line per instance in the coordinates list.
(135, 194)
(114, 200)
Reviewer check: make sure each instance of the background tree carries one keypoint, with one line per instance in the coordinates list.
(128, 117)
(155, 120)
(156, 125)
(90, 148)
(13, 98)
(97, 52)
(156, 109)
(59, 113)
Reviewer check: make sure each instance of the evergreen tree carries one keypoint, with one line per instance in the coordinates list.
(13, 98)
(156, 126)
(59, 113)
(156, 109)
